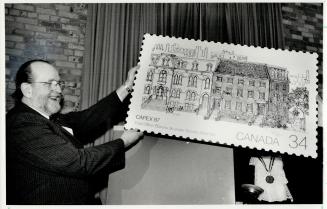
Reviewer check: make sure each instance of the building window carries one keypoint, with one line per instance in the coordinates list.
(190, 79)
(250, 94)
(262, 84)
(240, 92)
(207, 83)
(228, 105)
(163, 76)
(178, 93)
(238, 106)
(209, 66)
(147, 90)
(229, 80)
(173, 93)
(284, 87)
(160, 92)
(218, 89)
(163, 61)
(229, 90)
(167, 61)
(188, 95)
(251, 83)
(195, 65)
(149, 76)
(175, 79)
(193, 96)
(240, 81)
(178, 63)
(180, 79)
(195, 81)
(153, 60)
(249, 108)
(262, 95)
(276, 87)
(219, 78)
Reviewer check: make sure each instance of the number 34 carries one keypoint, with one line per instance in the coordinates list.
(297, 142)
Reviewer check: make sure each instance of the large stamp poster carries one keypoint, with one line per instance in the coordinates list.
(228, 94)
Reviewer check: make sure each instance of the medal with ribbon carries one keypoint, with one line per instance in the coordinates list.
(269, 178)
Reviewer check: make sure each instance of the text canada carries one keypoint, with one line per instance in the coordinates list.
(267, 140)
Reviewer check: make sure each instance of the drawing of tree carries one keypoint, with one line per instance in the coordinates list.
(299, 98)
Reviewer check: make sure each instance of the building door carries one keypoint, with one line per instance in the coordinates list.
(160, 92)
(205, 101)
(261, 108)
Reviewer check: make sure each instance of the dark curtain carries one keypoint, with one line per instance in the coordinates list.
(255, 24)
(115, 32)
(113, 39)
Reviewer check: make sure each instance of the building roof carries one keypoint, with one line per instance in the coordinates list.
(245, 69)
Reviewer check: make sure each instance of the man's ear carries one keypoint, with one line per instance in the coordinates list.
(26, 89)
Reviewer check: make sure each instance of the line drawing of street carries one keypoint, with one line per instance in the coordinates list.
(225, 89)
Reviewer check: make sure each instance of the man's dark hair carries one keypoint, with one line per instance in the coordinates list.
(24, 75)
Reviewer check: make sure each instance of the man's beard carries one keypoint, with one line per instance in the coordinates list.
(50, 103)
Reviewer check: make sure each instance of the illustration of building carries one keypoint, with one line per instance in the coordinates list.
(181, 84)
(219, 89)
(278, 92)
(240, 89)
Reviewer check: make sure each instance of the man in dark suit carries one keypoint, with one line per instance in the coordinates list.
(46, 160)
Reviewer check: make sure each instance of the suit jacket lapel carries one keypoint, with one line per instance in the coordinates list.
(55, 125)
(64, 133)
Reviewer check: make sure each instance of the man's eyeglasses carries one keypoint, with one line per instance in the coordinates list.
(53, 84)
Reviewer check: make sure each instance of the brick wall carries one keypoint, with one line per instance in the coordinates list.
(303, 24)
(54, 32)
